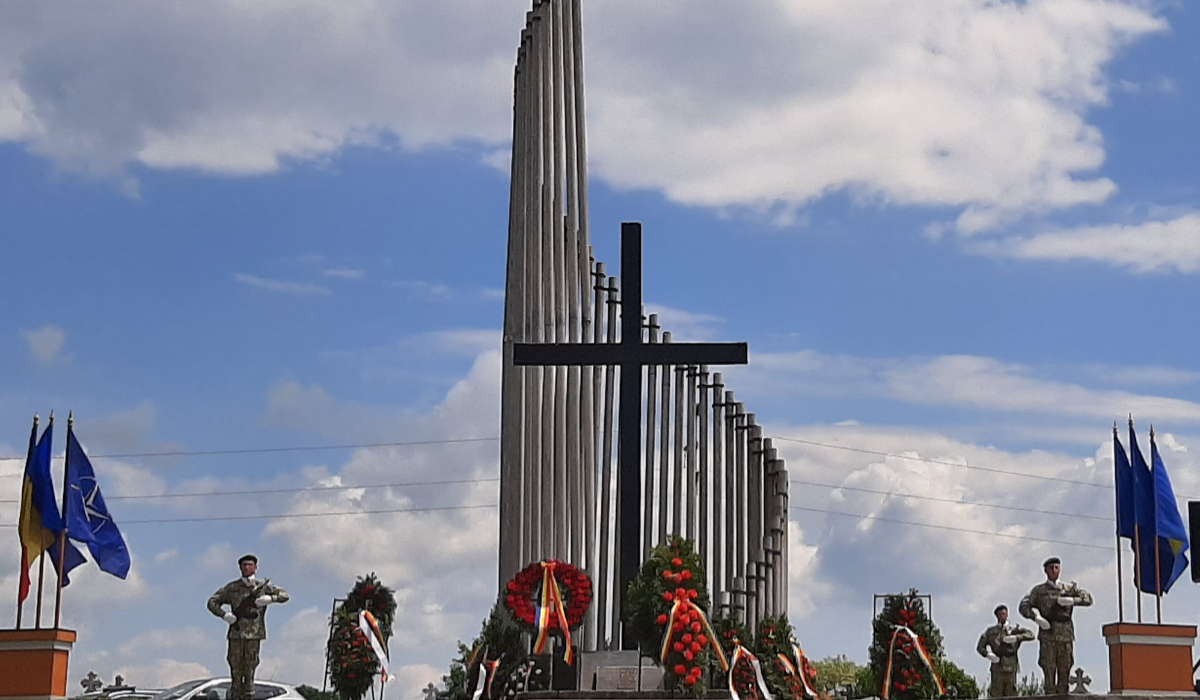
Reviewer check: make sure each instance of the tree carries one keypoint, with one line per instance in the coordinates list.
(834, 672)
(910, 676)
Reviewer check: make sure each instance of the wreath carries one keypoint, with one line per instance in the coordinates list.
(524, 594)
(352, 662)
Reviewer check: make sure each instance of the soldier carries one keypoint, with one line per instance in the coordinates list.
(1005, 640)
(247, 598)
(1050, 604)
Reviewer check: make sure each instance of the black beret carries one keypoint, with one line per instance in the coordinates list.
(248, 558)
(1051, 560)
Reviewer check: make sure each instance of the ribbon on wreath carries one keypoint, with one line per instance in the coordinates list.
(678, 608)
(479, 669)
(551, 605)
(740, 652)
(921, 653)
(798, 669)
(485, 674)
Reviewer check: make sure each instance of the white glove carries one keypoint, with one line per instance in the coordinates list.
(1066, 601)
(1009, 639)
(263, 600)
(993, 658)
(229, 618)
(1042, 622)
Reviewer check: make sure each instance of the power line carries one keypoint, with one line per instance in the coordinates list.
(945, 462)
(285, 516)
(947, 527)
(951, 500)
(261, 450)
(309, 489)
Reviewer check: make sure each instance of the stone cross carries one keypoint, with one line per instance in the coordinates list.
(1081, 681)
(431, 692)
(91, 683)
(630, 354)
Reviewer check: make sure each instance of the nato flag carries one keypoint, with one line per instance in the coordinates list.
(87, 516)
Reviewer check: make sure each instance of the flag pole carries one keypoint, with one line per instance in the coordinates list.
(32, 445)
(1157, 555)
(37, 622)
(1117, 501)
(62, 539)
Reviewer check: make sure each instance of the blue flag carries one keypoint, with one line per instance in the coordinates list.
(1172, 533)
(1123, 480)
(1145, 518)
(87, 516)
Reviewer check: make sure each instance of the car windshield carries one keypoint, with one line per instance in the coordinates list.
(179, 690)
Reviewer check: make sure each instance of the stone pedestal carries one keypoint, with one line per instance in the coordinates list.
(1150, 659)
(34, 663)
(617, 671)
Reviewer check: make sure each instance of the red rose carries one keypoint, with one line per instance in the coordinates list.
(702, 639)
(681, 592)
(696, 627)
(693, 594)
(668, 596)
(696, 647)
(677, 562)
(689, 680)
(661, 619)
(685, 575)
(687, 639)
(667, 575)
(677, 646)
(680, 669)
(688, 655)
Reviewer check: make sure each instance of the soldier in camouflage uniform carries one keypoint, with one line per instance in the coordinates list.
(247, 598)
(1049, 604)
(999, 644)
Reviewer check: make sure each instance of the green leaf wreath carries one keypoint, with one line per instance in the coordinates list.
(673, 569)
(352, 663)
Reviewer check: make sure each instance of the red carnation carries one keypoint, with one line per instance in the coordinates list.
(676, 562)
(702, 639)
(677, 646)
(696, 646)
(661, 619)
(680, 669)
(689, 680)
(687, 639)
(668, 596)
(693, 594)
(668, 575)
(688, 655)
(686, 575)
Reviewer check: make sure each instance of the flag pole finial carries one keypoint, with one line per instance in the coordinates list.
(52, 415)
(1130, 420)
(70, 418)
(1151, 431)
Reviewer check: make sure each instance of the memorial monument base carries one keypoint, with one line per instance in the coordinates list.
(617, 671)
(34, 663)
(1150, 659)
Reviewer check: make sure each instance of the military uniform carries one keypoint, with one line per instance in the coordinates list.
(245, 635)
(1004, 671)
(1056, 645)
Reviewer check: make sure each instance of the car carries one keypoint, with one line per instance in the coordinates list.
(218, 689)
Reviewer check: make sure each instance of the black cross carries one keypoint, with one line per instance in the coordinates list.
(630, 354)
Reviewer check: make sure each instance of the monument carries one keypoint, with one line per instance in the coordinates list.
(684, 457)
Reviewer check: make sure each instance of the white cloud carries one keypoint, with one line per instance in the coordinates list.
(1171, 245)
(166, 555)
(162, 673)
(282, 286)
(974, 382)
(219, 557)
(684, 326)
(975, 105)
(45, 343)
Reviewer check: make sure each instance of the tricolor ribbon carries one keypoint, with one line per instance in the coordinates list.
(551, 604)
(797, 669)
(740, 652)
(921, 653)
(485, 673)
(371, 630)
(681, 606)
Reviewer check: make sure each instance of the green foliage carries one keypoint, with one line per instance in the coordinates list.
(865, 683)
(311, 693)
(352, 662)
(963, 684)
(834, 672)
(499, 637)
(911, 679)
(673, 568)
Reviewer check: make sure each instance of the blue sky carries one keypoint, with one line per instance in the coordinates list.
(952, 230)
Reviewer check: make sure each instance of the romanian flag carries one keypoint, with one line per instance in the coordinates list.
(39, 522)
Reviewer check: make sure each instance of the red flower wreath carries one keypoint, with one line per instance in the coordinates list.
(522, 594)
